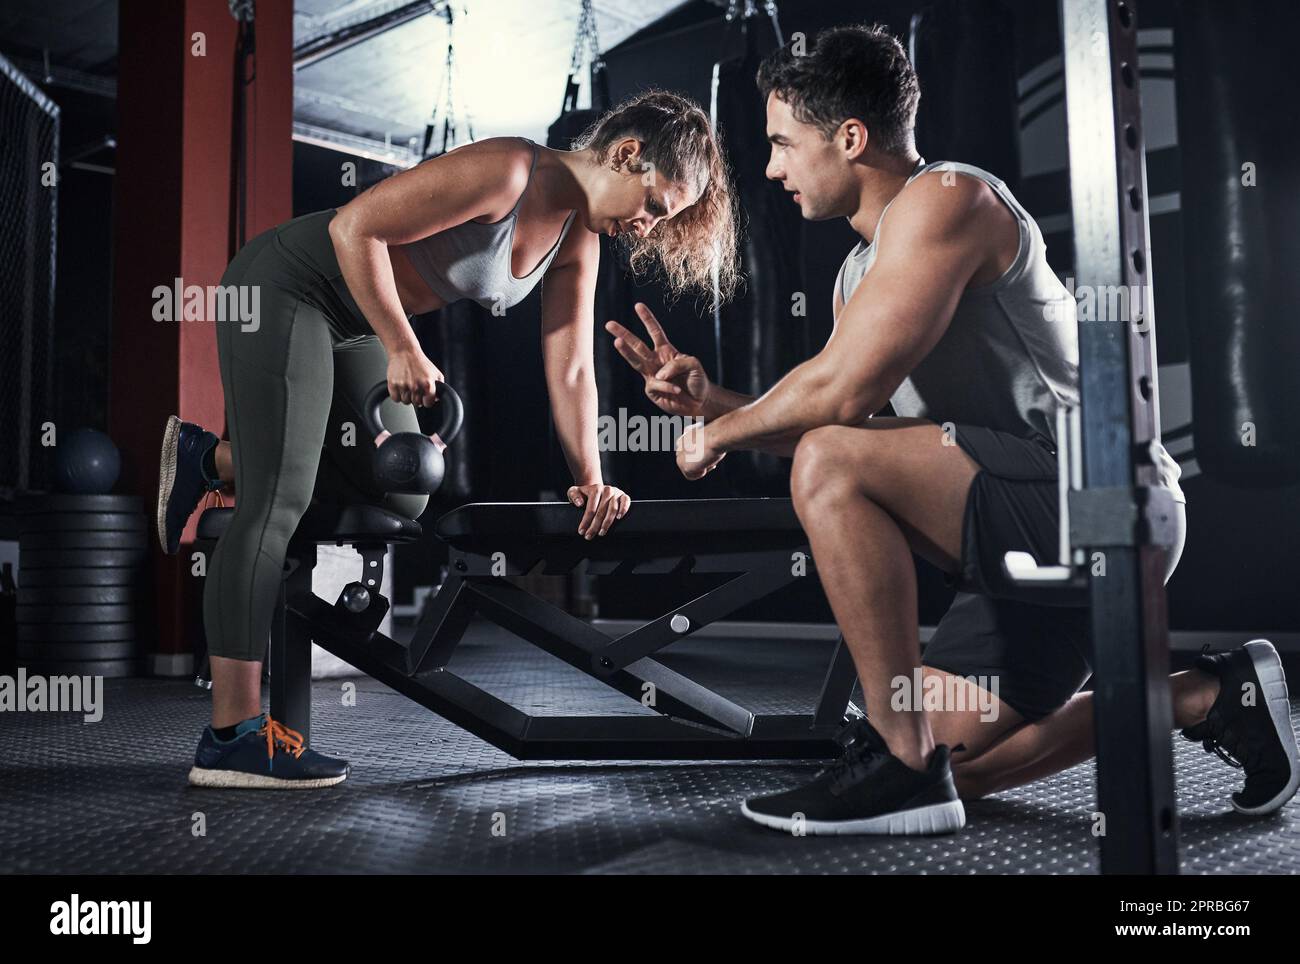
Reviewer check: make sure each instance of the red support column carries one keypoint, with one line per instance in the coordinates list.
(172, 219)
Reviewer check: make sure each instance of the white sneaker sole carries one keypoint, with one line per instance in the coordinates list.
(936, 818)
(1272, 678)
(235, 780)
(166, 476)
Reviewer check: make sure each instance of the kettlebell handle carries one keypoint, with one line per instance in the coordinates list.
(453, 412)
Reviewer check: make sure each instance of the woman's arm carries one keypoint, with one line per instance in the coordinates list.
(568, 306)
(477, 180)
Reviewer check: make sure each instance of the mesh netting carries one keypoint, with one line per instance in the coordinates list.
(29, 143)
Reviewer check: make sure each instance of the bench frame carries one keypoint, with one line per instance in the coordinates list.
(691, 722)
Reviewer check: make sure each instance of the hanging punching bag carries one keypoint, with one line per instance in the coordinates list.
(1239, 139)
(964, 57)
(572, 121)
(759, 331)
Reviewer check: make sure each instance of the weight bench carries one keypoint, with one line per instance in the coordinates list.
(758, 541)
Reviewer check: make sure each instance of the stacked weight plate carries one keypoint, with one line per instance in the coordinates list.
(81, 559)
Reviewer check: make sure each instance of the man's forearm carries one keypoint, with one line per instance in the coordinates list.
(806, 398)
(721, 400)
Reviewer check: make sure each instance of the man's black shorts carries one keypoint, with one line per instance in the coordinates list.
(1033, 641)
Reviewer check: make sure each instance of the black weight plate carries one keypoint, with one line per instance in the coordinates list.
(83, 522)
(70, 502)
(67, 539)
(81, 558)
(77, 596)
(30, 615)
(78, 632)
(38, 652)
(106, 576)
(109, 668)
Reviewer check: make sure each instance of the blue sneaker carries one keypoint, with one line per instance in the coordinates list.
(181, 480)
(264, 755)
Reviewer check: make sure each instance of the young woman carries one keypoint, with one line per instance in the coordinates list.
(486, 221)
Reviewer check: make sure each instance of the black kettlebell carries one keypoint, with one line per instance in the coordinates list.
(409, 461)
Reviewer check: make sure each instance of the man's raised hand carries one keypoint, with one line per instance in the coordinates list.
(676, 383)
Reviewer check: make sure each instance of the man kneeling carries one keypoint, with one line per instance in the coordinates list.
(948, 309)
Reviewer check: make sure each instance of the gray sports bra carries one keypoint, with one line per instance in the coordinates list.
(472, 260)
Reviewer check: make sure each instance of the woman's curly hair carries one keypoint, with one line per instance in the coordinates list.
(697, 247)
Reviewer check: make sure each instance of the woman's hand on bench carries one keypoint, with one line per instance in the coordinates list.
(603, 505)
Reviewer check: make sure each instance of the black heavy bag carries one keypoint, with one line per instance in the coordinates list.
(566, 128)
(1240, 139)
(574, 120)
(965, 60)
(760, 335)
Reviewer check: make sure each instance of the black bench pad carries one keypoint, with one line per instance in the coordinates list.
(488, 524)
(329, 524)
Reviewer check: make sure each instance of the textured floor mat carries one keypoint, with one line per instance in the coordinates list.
(425, 796)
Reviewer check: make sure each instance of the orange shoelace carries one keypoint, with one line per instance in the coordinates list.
(275, 733)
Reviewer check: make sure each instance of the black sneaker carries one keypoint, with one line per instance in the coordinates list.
(264, 755)
(181, 480)
(867, 791)
(1255, 736)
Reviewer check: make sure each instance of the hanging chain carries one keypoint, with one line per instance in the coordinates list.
(734, 12)
(448, 102)
(586, 37)
(241, 10)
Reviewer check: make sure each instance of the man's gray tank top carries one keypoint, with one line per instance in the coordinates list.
(472, 260)
(1011, 351)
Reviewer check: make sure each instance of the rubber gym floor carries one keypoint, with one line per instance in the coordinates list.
(425, 796)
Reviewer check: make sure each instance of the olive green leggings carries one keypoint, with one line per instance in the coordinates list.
(294, 378)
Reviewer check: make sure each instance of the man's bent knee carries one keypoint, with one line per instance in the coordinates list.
(819, 466)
